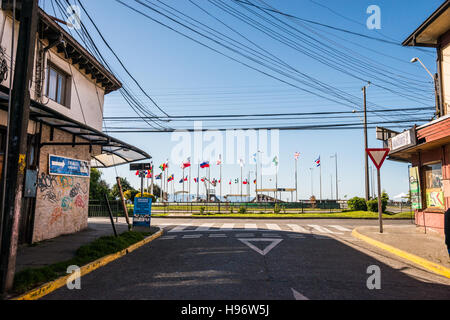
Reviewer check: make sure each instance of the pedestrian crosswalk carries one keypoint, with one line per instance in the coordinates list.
(173, 228)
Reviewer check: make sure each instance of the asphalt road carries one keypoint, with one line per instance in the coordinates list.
(240, 259)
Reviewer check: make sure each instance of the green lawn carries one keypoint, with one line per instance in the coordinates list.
(33, 277)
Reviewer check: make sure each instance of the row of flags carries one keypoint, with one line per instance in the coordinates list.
(196, 180)
(206, 164)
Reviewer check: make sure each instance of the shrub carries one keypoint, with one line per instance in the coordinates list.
(372, 205)
(357, 204)
(276, 208)
(146, 195)
(242, 210)
(202, 210)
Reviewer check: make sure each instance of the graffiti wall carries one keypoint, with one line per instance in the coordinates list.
(61, 201)
(61, 205)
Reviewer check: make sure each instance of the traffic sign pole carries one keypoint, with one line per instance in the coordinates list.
(378, 156)
(380, 209)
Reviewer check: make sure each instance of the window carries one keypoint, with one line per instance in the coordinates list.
(433, 185)
(56, 85)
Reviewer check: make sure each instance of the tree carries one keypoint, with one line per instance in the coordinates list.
(156, 190)
(130, 194)
(97, 187)
(125, 186)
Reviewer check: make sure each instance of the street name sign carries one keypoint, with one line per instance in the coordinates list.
(63, 166)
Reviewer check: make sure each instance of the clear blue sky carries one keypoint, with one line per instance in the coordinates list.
(186, 78)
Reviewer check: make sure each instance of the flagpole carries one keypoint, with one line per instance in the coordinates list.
(241, 183)
(189, 185)
(256, 182)
(296, 190)
(320, 174)
(276, 183)
(209, 181)
(183, 183)
(198, 182)
(152, 173)
(220, 178)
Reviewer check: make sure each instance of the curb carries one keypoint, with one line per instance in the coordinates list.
(428, 265)
(51, 286)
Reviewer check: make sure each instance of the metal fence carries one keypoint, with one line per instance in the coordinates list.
(99, 208)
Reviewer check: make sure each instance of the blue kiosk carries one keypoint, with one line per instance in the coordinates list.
(142, 212)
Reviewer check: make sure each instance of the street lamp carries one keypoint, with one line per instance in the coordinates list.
(434, 77)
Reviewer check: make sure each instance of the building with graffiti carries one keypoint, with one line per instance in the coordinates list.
(427, 147)
(65, 137)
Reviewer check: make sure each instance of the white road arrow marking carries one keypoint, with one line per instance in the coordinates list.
(273, 243)
(59, 164)
(298, 295)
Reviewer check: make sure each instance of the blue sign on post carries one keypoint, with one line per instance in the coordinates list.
(142, 211)
(68, 167)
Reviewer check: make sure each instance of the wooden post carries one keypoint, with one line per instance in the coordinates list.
(124, 205)
(17, 142)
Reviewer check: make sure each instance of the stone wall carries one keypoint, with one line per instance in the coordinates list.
(61, 201)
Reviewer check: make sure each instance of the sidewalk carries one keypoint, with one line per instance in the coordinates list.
(430, 246)
(64, 247)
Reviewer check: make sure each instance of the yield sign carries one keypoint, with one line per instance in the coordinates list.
(273, 243)
(377, 156)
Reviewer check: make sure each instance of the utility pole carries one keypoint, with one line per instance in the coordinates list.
(366, 159)
(17, 142)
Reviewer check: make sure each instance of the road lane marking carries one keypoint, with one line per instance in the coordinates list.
(167, 237)
(217, 235)
(273, 226)
(320, 228)
(204, 227)
(250, 226)
(192, 236)
(180, 228)
(298, 295)
(270, 235)
(297, 236)
(227, 226)
(340, 228)
(273, 244)
(297, 228)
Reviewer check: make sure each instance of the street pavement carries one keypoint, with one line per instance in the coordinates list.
(251, 259)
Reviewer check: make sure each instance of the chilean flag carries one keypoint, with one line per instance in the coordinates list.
(204, 164)
(195, 180)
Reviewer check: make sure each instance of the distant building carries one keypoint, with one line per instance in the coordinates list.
(427, 147)
(65, 137)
